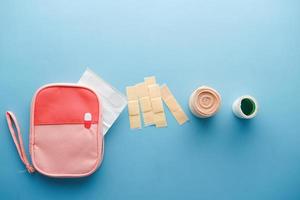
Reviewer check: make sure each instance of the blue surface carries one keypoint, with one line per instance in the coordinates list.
(238, 47)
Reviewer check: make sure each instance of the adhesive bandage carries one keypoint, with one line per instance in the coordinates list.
(157, 105)
(148, 97)
(151, 80)
(133, 107)
(145, 103)
(173, 105)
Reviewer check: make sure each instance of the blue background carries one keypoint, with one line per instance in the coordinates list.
(238, 47)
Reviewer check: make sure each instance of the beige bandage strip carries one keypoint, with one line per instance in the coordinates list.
(151, 80)
(173, 105)
(145, 103)
(133, 108)
(157, 106)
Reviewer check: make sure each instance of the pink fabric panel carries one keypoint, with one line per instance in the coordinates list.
(61, 104)
(66, 150)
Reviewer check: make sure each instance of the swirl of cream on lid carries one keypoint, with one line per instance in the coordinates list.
(205, 102)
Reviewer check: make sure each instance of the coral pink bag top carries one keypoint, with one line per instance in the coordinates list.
(66, 137)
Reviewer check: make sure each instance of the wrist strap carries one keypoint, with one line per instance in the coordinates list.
(12, 125)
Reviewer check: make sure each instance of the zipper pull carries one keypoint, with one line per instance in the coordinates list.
(87, 120)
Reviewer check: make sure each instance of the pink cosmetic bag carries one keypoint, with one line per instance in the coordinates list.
(66, 137)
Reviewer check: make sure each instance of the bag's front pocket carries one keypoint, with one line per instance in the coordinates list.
(66, 150)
